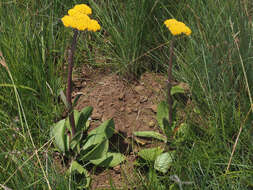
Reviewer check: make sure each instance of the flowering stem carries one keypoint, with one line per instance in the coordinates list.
(69, 84)
(169, 82)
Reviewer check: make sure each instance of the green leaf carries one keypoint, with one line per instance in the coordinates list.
(99, 134)
(63, 98)
(83, 117)
(109, 160)
(97, 152)
(106, 128)
(75, 166)
(182, 133)
(75, 141)
(76, 118)
(162, 113)
(150, 154)
(176, 89)
(163, 162)
(76, 99)
(150, 134)
(168, 130)
(58, 132)
(85, 181)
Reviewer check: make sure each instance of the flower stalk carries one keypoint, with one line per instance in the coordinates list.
(169, 81)
(79, 20)
(69, 82)
(176, 28)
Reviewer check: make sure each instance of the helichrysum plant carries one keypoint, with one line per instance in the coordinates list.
(176, 28)
(70, 135)
(161, 158)
(79, 20)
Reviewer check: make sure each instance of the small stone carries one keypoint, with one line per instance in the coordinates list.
(135, 101)
(153, 108)
(156, 88)
(117, 169)
(139, 89)
(96, 116)
(151, 124)
(122, 109)
(133, 108)
(121, 96)
(100, 104)
(143, 99)
(128, 110)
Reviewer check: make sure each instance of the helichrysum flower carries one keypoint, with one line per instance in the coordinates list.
(177, 28)
(82, 8)
(78, 18)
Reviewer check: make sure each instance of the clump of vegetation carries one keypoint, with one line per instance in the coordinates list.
(71, 135)
(211, 130)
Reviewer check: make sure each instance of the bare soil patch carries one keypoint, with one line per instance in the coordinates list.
(131, 105)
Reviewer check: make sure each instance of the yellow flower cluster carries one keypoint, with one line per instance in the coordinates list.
(78, 18)
(177, 28)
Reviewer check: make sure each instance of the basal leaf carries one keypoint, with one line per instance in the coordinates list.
(109, 160)
(150, 134)
(162, 113)
(76, 118)
(97, 152)
(99, 134)
(176, 89)
(163, 162)
(150, 154)
(84, 180)
(58, 132)
(75, 166)
(83, 117)
(106, 129)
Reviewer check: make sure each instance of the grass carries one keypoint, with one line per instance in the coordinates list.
(216, 62)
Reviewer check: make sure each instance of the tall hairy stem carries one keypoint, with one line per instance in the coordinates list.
(69, 84)
(169, 82)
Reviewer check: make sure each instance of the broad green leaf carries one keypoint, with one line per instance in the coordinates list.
(109, 160)
(83, 117)
(93, 140)
(63, 98)
(97, 152)
(76, 99)
(58, 131)
(150, 154)
(163, 162)
(176, 89)
(168, 130)
(162, 113)
(106, 128)
(182, 132)
(76, 118)
(150, 134)
(85, 180)
(75, 141)
(99, 134)
(75, 166)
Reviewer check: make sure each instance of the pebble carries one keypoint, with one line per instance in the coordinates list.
(96, 116)
(139, 89)
(151, 124)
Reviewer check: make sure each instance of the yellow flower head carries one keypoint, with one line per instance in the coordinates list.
(78, 18)
(93, 26)
(82, 8)
(177, 28)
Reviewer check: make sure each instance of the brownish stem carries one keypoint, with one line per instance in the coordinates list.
(169, 82)
(69, 84)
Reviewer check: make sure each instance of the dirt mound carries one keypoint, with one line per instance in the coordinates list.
(131, 105)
